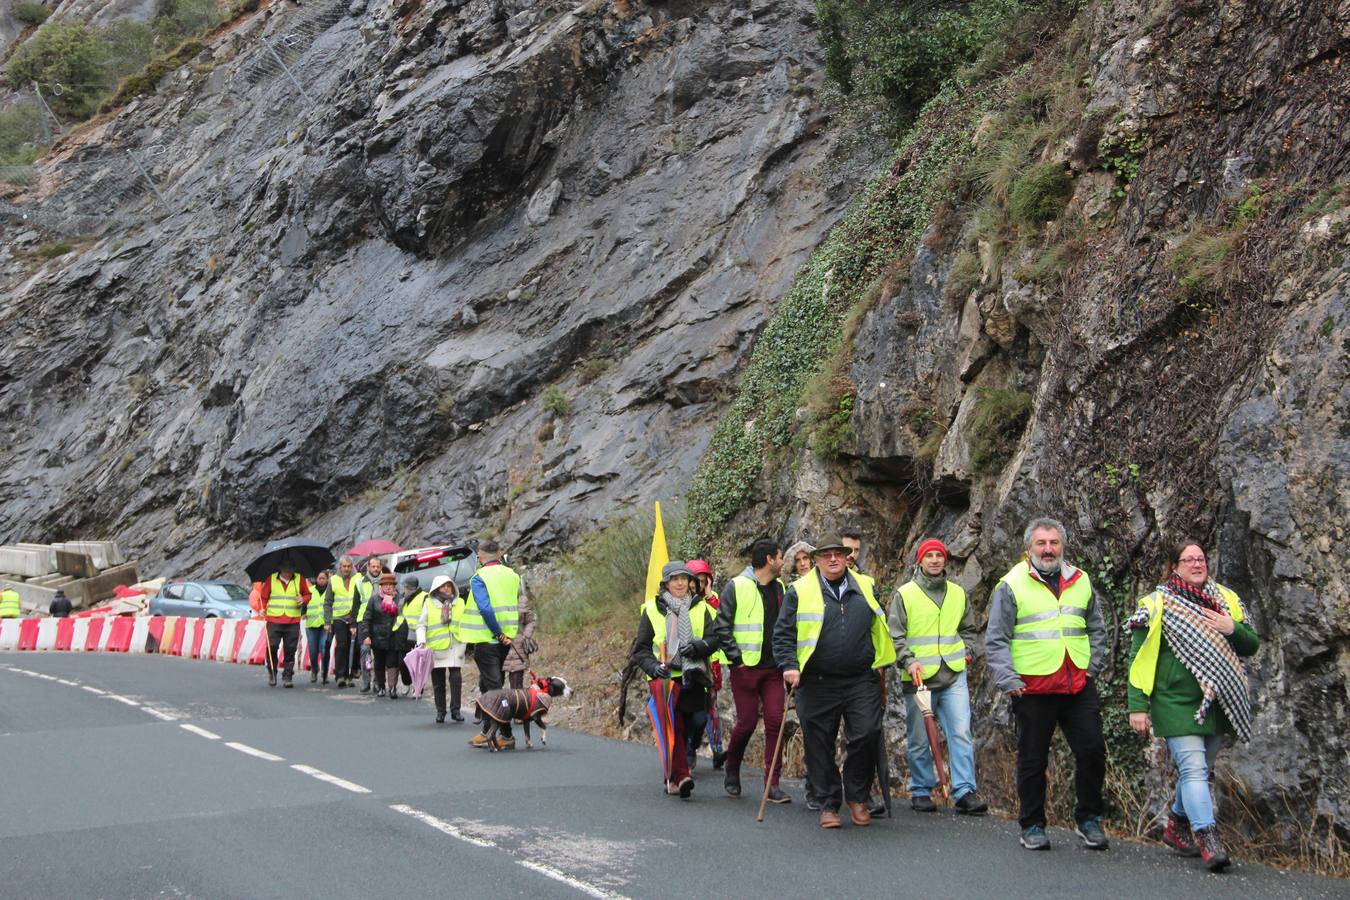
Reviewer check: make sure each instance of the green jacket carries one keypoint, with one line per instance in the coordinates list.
(1176, 693)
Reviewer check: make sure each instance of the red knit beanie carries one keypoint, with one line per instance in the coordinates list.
(931, 544)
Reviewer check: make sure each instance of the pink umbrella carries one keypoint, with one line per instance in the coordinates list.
(419, 661)
(374, 548)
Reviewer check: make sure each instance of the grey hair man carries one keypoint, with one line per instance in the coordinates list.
(1046, 643)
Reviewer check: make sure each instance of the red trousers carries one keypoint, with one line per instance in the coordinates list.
(679, 761)
(749, 689)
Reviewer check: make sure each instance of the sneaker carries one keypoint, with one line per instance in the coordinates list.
(876, 806)
(324, 680)
(457, 716)
(286, 681)
(1212, 850)
(731, 781)
(1091, 833)
(379, 692)
(922, 803)
(719, 760)
(970, 805)
(478, 740)
(1035, 838)
(1177, 835)
(313, 676)
(815, 806)
(777, 796)
(365, 689)
(686, 787)
(440, 718)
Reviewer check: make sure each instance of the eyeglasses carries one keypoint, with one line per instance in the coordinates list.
(831, 554)
(1194, 560)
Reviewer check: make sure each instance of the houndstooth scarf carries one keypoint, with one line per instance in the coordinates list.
(1204, 652)
(680, 624)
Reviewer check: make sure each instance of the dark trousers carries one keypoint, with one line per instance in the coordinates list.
(439, 676)
(751, 689)
(342, 649)
(1079, 716)
(821, 702)
(490, 658)
(516, 679)
(385, 662)
(287, 633)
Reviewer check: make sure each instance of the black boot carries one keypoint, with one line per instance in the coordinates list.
(272, 677)
(1212, 850)
(286, 681)
(731, 780)
(457, 716)
(719, 760)
(313, 675)
(440, 718)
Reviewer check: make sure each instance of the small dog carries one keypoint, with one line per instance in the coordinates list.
(526, 705)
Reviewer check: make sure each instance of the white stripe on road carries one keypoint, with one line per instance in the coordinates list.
(46, 677)
(590, 890)
(331, 779)
(254, 751)
(68, 683)
(92, 690)
(160, 715)
(120, 699)
(201, 732)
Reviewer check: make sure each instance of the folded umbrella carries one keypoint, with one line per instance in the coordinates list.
(419, 661)
(884, 753)
(308, 557)
(923, 698)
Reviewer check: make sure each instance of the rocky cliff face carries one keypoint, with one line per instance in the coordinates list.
(1160, 353)
(494, 278)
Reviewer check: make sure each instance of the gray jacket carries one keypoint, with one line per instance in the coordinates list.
(998, 636)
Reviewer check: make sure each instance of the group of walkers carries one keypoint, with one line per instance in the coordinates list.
(366, 621)
(818, 633)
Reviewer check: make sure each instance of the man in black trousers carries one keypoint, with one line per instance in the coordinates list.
(830, 639)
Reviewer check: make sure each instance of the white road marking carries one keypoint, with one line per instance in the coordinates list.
(590, 890)
(331, 779)
(201, 732)
(45, 677)
(120, 699)
(160, 715)
(254, 751)
(68, 683)
(92, 690)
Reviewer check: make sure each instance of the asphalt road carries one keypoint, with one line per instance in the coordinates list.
(132, 777)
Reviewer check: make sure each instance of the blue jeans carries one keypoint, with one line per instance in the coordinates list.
(1194, 755)
(318, 649)
(951, 705)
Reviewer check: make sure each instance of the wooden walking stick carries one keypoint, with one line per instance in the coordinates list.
(777, 754)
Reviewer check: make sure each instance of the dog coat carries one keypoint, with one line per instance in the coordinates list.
(514, 704)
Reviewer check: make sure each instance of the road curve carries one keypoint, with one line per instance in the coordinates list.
(128, 776)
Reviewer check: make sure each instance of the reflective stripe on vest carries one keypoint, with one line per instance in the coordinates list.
(314, 611)
(503, 590)
(9, 604)
(811, 618)
(748, 626)
(411, 611)
(367, 589)
(439, 617)
(700, 614)
(1046, 628)
(1145, 665)
(931, 630)
(343, 595)
(283, 600)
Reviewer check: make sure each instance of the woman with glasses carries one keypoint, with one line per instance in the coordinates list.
(1188, 681)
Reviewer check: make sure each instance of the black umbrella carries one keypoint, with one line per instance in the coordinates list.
(884, 753)
(304, 555)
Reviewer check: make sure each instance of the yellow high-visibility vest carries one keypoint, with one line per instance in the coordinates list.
(700, 614)
(931, 630)
(284, 600)
(1046, 628)
(1145, 665)
(503, 589)
(811, 619)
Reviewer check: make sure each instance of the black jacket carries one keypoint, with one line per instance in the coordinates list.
(60, 608)
(378, 625)
(643, 657)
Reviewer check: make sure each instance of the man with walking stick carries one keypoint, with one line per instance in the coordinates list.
(830, 639)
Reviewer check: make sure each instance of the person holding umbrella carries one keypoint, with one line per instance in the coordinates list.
(1188, 682)
(830, 639)
(677, 635)
(283, 596)
(435, 616)
(385, 631)
(317, 630)
(934, 628)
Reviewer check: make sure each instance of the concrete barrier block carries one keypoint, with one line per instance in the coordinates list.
(47, 551)
(28, 563)
(76, 565)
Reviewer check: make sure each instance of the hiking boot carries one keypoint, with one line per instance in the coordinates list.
(970, 805)
(271, 679)
(731, 781)
(286, 681)
(457, 716)
(1035, 838)
(922, 803)
(1177, 835)
(313, 676)
(719, 760)
(860, 814)
(1212, 850)
(1091, 833)
(829, 818)
(686, 788)
(440, 718)
(478, 740)
(777, 796)
(379, 692)
(324, 678)
(506, 743)
(876, 806)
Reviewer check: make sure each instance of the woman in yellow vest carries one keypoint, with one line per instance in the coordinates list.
(385, 631)
(435, 629)
(1188, 681)
(677, 636)
(317, 633)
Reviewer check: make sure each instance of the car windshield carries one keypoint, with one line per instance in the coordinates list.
(432, 559)
(228, 593)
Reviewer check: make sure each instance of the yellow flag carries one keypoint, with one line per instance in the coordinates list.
(660, 556)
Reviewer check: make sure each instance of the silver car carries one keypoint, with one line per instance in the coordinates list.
(201, 600)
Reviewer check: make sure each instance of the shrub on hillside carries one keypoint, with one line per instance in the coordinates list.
(30, 13)
(19, 131)
(1041, 194)
(67, 53)
(996, 424)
